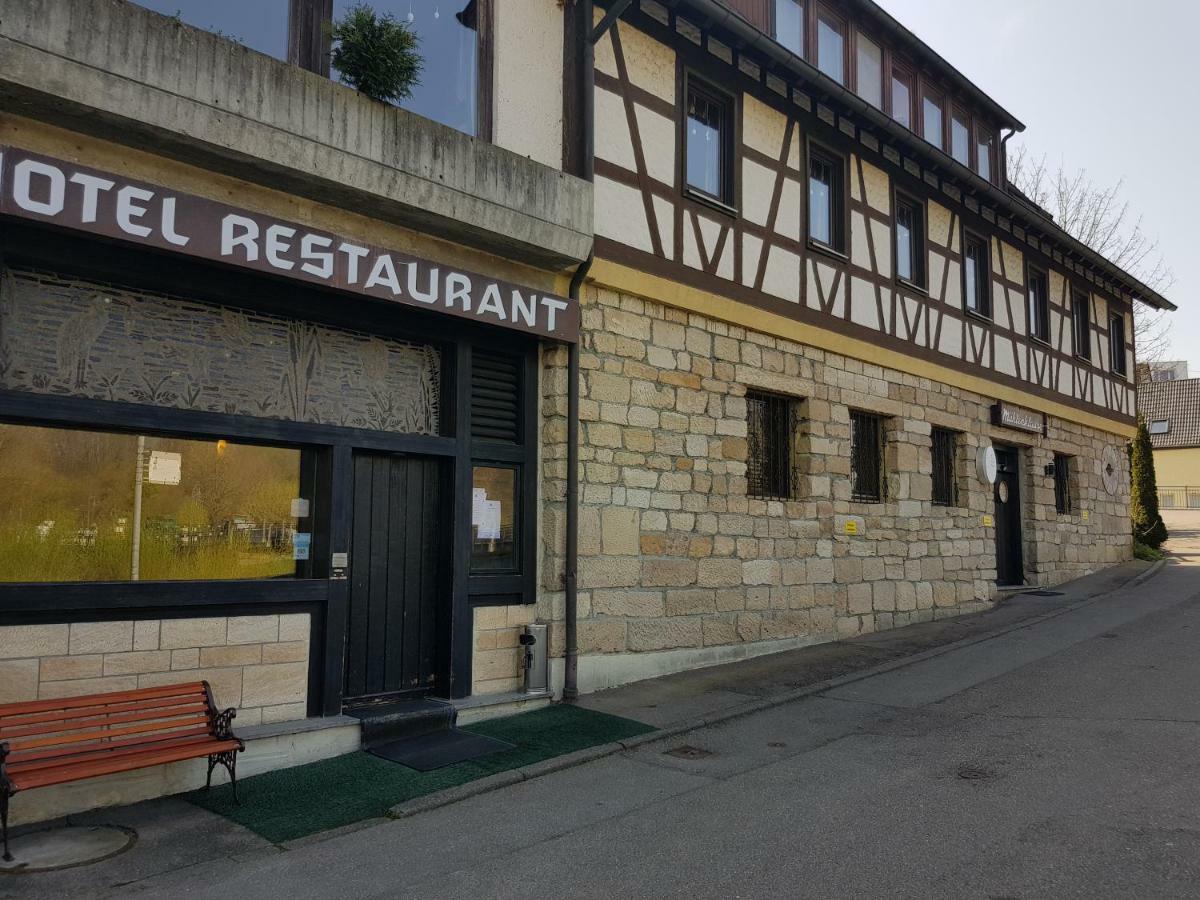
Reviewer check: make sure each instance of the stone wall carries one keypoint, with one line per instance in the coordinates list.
(496, 661)
(257, 663)
(676, 559)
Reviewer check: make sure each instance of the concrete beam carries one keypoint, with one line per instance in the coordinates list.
(123, 73)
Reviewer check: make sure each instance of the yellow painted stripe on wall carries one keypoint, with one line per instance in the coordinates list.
(673, 293)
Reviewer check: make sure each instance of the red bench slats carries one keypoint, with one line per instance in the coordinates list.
(45, 742)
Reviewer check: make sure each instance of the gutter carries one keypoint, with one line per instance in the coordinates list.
(714, 13)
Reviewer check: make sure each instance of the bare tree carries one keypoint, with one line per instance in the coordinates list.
(1101, 218)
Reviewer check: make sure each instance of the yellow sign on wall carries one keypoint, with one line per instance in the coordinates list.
(988, 521)
(851, 527)
(1086, 515)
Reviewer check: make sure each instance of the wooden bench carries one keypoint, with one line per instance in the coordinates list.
(47, 742)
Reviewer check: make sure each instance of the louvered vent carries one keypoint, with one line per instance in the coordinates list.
(495, 397)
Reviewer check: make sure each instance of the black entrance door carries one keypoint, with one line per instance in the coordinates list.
(1010, 566)
(399, 600)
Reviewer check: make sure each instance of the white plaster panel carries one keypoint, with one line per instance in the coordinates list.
(939, 224)
(620, 214)
(951, 339)
(613, 142)
(725, 263)
(954, 296)
(651, 65)
(758, 184)
(882, 236)
(1004, 356)
(691, 254)
(751, 250)
(658, 135)
(782, 278)
(860, 253)
(937, 265)
(863, 309)
(879, 188)
(762, 127)
(664, 212)
(787, 220)
(528, 75)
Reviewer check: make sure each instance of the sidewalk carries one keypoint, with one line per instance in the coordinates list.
(174, 835)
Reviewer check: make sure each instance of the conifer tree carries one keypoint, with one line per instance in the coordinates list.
(1148, 527)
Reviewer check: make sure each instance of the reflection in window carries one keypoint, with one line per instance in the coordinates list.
(494, 537)
(902, 97)
(820, 200)
(449, 48)
(932, 116)
(960, 141)
(261, 25)
(705, 165)
(910, 241)
(869, 76)
(983, 161)
(975, 273)
(1039, 309)
(207, 509)
(831, 47)
(789, 25)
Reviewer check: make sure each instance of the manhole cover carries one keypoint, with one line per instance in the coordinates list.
(687, 751)
(974, 773)
(63, 848)
(1044, 593)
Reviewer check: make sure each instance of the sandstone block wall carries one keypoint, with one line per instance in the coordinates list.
(675, 554)
(496, 661)
(257, 663)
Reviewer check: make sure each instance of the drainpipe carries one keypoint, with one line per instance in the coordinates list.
(1003, 161)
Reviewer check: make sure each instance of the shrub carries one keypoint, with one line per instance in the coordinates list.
(376, 55)
(1148, 527)
(1149, 554)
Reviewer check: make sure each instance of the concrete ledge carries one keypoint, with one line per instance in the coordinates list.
(492, 706)
(123, 73)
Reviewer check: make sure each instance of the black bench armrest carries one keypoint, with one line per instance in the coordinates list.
(223, 724)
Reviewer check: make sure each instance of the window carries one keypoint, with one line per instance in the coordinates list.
(931, 118)
(1062, 483)
(902, 94)
(1159, 426)
(1039, 305)
(910, 241)
(448, 88)
(868, 76)
(770, 426)
(789, 25)
(984, 148)
(825, 200)
(944, 452)
(707, 161)
(1116, 342)
(495, 539)
(102, 506)
(960, 137)
(261, 26)
(976, 275)
(831, 46)
(866, 457)
(1081, 319)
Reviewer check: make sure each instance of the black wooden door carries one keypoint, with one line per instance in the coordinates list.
(1010, 566)
(399, 598)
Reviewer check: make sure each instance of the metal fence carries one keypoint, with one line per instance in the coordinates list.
(1179, 497)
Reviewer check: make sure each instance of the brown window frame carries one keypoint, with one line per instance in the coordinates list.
(1116, 350)
(884, 79)
(705, 88)
(963, 114)
(1041, 332)
(985, 287)
(977, 132)
(909, 74)
(838, 197)
(773, 11)
(814, 41)
(920, 249)
(930, 91)
(1082, 342)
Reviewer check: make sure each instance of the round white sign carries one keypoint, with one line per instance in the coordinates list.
(986, 464)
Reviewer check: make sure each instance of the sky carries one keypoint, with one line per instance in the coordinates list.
(1101, 85)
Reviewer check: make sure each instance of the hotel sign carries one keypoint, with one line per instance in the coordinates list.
(64, 194)
(1007, 416)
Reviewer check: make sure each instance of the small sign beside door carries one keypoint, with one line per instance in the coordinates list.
(164, 468)
(1007, 416)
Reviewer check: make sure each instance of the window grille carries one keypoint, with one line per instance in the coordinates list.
(770, 426)
(866, 457)
(1062, 483)
(944, 486)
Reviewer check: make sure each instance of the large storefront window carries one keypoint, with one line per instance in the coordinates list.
(449, 48)
(261, 25)
(98, 506)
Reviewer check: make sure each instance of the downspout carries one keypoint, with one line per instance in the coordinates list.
(1004, 159)
(585, 83)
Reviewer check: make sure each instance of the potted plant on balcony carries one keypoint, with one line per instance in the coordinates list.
(376, 54)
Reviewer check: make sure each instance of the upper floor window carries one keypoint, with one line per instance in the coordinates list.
(910, 240)
(976, 275)
(960, 136)
(868, 73)
(448, 87)
(706, 164)
(1116, 343)
(261, 26)
(831, 45)
(769, 429)
(826, 212)
(789, 25)
(901, 95)
(1039, 305)
(1081, 319)
(985, 143)
(931, 118)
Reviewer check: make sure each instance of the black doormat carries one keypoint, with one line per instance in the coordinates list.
(427, 752)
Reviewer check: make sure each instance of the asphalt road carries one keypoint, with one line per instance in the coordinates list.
(1058, 760)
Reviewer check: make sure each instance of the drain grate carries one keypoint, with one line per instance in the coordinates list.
(687, 751)
(974, 773)
(1044, 593)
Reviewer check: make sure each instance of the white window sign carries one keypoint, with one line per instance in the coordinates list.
(489, 523)
(165, 468)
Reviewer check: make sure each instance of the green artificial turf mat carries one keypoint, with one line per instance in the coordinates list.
(292, 803)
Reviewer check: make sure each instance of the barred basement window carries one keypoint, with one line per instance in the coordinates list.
(945, 445)
(770, 421)
(866, 457)
(1062, 483)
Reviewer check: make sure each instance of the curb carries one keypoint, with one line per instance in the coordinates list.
(590, 754)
